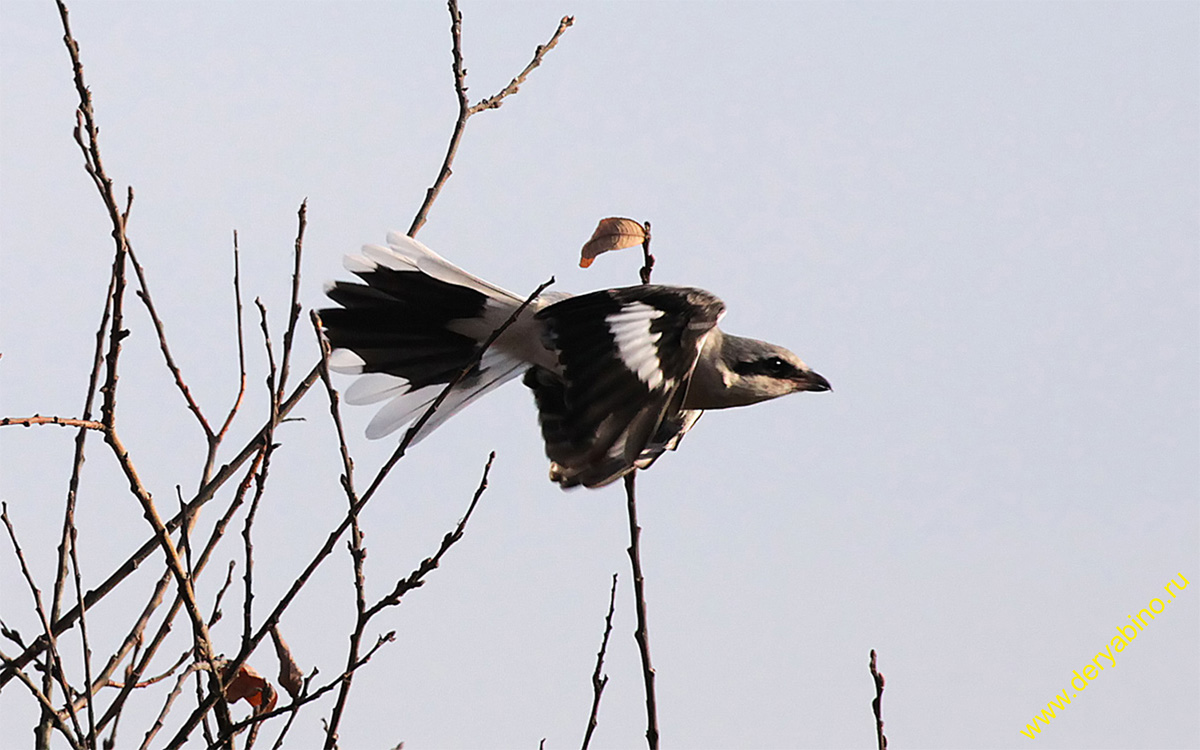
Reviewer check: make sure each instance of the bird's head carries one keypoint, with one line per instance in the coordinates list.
(756, 371)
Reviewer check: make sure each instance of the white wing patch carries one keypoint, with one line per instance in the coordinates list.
(636, 343)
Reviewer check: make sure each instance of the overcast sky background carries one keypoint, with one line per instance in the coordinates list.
(978, 220)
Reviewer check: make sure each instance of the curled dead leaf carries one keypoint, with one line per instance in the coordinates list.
(613, 233)
(250, 685)
(291, 678)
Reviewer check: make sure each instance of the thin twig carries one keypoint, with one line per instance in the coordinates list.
(215, 617)
(414, 580)
(206, 493)
(493, 102)
(357, 552)
(162, 715)
(86, 424)
(294, 310)
(143, 294)
(641, 635)
(647, 258)
(598, 681)
(877, 704)
(83, 637)
(237, 301)
(112, 312)
(415, 428)
(56, 665)
(261, 477)
(465, 110)
(156, 678)
(49, 711)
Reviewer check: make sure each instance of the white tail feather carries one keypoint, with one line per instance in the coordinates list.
(432, 264)
(373, 387)
(495, 369)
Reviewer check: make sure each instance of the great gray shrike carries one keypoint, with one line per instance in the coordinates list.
(619, 375)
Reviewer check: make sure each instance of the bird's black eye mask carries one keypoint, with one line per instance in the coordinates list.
(774, 367)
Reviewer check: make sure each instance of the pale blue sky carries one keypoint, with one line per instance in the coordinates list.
(978, 220)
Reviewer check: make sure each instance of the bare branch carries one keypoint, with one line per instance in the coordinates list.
(294, 310)
(465, 110)
(48, 710)
(403, 586)
(416, 426)
(647, 258)
(204, 647)
(641, 635)
(877, 704)
(143, 294)
(237, 300)
(493, 102)
(83, 636)
(86, 424)
(599, 682)
(55, 666)
(206, 493)
(416, 578)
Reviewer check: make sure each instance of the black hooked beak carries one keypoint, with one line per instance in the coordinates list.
(808, 380)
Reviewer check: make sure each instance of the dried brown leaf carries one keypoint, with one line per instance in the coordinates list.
(253, 687)
(291, 678)
(613, 233)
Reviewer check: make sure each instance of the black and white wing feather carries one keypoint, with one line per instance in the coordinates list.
(625, 357)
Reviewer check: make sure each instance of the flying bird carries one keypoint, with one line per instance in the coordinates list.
(619, 375)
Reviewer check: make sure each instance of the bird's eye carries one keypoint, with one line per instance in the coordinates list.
(777, 366)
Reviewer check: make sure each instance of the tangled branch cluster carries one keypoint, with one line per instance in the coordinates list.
(84, 710)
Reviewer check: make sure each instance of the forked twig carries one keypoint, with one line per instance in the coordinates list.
(494, 101)
(206, 493)
(465, 110)
(331, 540)
(598, 682)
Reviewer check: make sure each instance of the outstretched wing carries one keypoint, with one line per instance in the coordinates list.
(626, 357)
